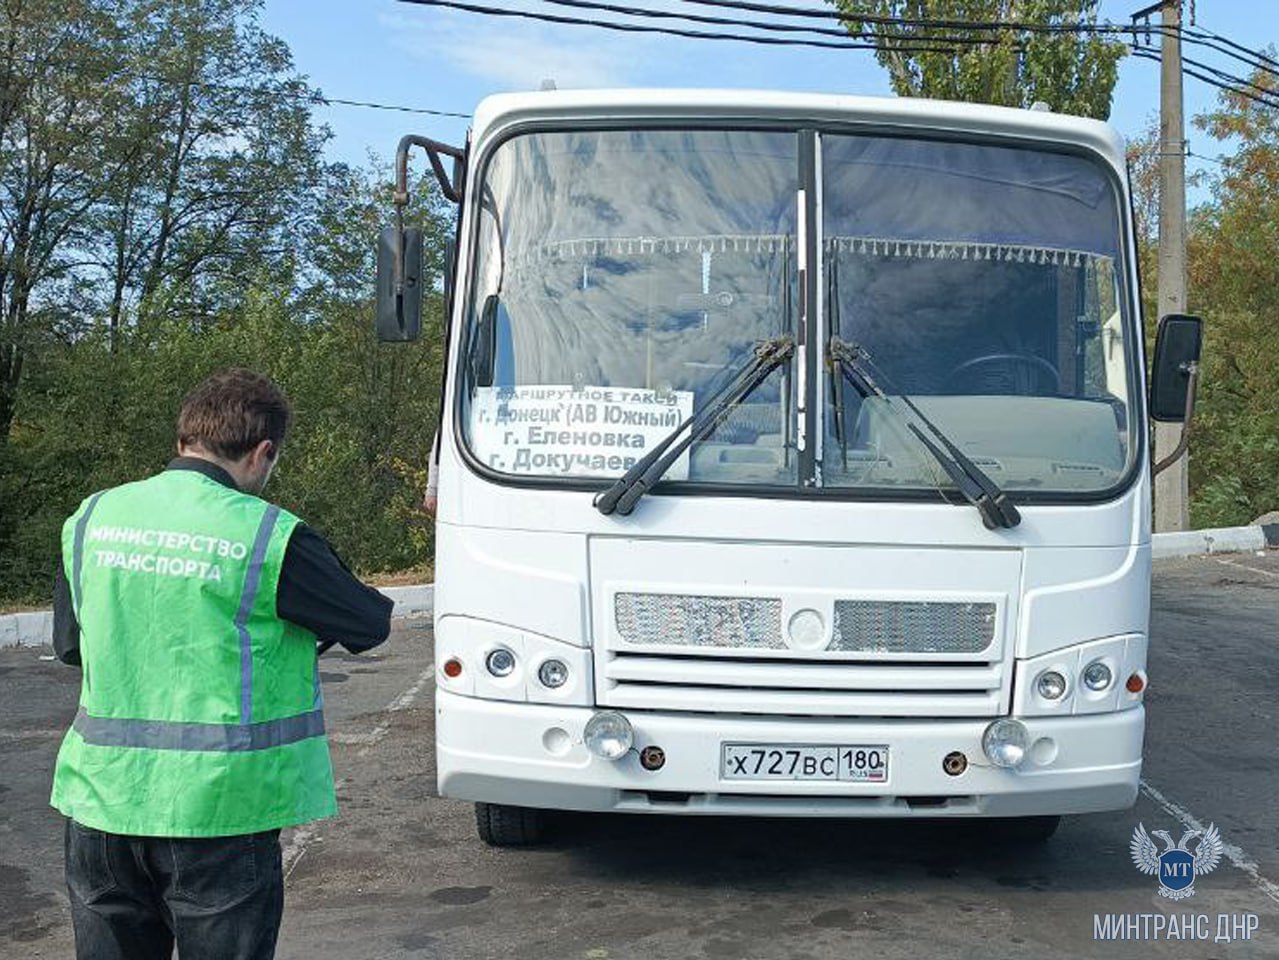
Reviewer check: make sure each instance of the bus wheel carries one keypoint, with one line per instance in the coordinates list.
(500, 825)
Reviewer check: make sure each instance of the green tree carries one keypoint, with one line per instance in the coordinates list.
(154, 155)
(1072, 72)
(98, 410)
(59, 102)
(1234, 283)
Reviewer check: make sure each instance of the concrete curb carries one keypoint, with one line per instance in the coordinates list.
(35, 629)
(1194, 543)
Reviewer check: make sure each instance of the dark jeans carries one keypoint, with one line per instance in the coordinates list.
(133, 897)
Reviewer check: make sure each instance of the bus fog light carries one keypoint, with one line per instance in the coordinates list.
(500, 662)
(553, 673)
(1097, 676)
(1005, 743)
(1051, 685)
(608, 734)
(652, 758)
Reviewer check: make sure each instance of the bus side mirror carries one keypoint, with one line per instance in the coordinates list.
(483, 357)
(399, 304)
(1177, 348)
(450, 281)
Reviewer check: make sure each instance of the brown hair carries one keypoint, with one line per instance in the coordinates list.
(232, 412)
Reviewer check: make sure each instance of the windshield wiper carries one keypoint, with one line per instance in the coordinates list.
(622, 496)
(996, 510)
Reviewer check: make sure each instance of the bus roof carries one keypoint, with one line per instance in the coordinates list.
(639, 105)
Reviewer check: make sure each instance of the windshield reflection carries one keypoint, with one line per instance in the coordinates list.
(982, 278)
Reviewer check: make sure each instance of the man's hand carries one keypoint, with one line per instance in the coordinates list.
(429, 503)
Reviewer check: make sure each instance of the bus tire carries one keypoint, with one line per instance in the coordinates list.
(500, 825)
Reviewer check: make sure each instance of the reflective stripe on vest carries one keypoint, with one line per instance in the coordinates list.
(217, 737)
(77, 555)
(249, 594)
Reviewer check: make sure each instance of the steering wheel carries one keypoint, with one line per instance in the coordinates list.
(1038, 366)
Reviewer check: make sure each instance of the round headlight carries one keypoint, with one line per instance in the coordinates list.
(608, 734)
(500, 662)
(553, 673)
(1097, 676)
(1005, 743)
(1051, 685)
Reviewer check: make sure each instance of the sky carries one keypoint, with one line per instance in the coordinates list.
(433, 58)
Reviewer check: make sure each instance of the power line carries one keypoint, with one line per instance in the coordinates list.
(1192, 68)
(645, 12)
(926, 22)
(1147, 53)
(309, 96)
(322, 100)
(671, 31)
(1220, 161)
(1200, 31)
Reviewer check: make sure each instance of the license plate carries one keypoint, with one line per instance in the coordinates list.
(777, 761)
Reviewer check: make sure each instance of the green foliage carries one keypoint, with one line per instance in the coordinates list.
(1071, 72)
(167, 213)
(1234, 283)
(154, 155)
(353, 467)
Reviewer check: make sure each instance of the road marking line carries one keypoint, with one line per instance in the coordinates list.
(304, 835)
(1232, 853)
(1244, 566)
(402, 702)
(292, 854)
(31, 734)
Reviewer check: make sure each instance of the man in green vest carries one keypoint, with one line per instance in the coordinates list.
(194, 608)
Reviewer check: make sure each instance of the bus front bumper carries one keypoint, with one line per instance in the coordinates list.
(532, 755)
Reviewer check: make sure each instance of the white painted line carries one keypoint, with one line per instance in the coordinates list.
(1244, 566)
(12, 735)
(308, 833)
(1232, 853)
(402, 702)
(292, 854)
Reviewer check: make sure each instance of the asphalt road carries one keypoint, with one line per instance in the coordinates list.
(401, 874)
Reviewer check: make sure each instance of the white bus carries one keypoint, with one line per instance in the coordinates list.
(793, 459)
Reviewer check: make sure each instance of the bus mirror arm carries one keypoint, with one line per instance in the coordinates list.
(399, 268)
(1192, 383)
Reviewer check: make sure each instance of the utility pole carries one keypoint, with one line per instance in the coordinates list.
(1172, 489)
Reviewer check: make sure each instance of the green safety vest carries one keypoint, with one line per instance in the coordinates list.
(200, 709)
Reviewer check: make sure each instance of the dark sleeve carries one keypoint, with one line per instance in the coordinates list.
(66, 631)
(319, 593)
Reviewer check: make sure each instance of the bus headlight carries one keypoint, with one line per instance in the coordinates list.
(500, 662)
(552, 673)
(608, 734)
(1097, 676)
(1051, 685)
(1005, 743)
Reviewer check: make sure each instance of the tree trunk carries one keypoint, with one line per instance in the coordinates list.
(155, 272)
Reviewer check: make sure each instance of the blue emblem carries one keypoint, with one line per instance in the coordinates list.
(1177, 867)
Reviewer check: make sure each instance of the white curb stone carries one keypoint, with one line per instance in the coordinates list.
(1192, 543)
(35, 629)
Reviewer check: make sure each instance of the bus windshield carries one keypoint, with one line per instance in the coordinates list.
(620, 277)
